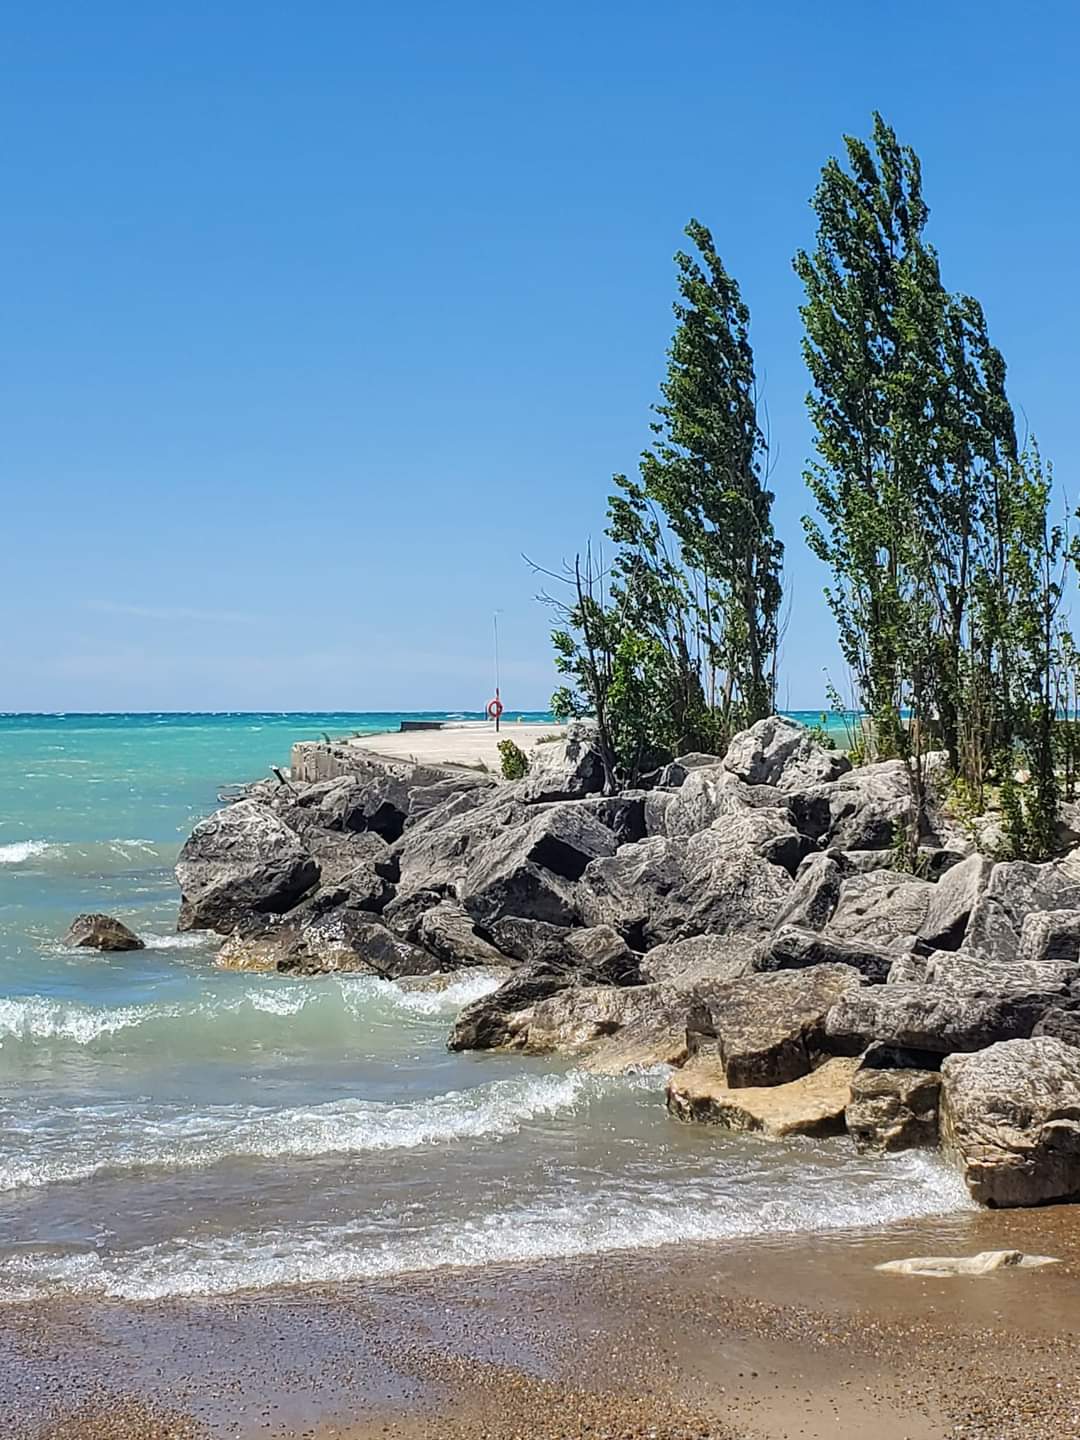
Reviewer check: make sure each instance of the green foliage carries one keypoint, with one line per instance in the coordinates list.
(673, 647)
(819, 733)
(946, 576)
(513, 761)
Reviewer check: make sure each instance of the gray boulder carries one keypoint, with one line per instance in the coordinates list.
(1010, 1119)
(673, 774)
(337, 941)
(101, 932)
(862, 810)
(404, 912)
(662, 889)
(779, 752)
(894, 1100)
(241, 859)
(528, 941)
(701, 957)
(769, 1029)
(881, 908)
(952, 900)
(924, 1017)
(530, 870)
(1051, 936)
(1060, 1024)
(709, 794)
(450, 935)
(964, 974)
(565, 769)
(339, 853)
(434, 853)
(1014, 890)
(790, 947)
(816, 892)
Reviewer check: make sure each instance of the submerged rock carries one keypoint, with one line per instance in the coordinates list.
(811, 1105)
(101, 932)
(1010, 1120)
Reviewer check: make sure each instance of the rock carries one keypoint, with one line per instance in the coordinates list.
(428, 797)
(964, 974)
(769, 1029)
(450, 935)
(816, 892)
(1010, 1120)
(530, 870)
(338, 854)
(379, 804)
(863, 810)
(579, 1017)
(364, 889)
(238, 860)
(777, 751)
(565, 769)
(893, 1106)
(673, 774)
(594, 958)
(812, 1105)
(1051, 936)
(404, 912)
(1063, 1025)
(101, 932)
(341, 941)
(708, 794)
(528, 941)
(792, 948)
(701, 957)
(1014, 890)
(881, 908)
(985, 1263)
(623, 814)
(434, 853)
(952, 900)
(923, 1017)
(662, 889)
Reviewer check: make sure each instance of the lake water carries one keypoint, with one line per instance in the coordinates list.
(169, 1128)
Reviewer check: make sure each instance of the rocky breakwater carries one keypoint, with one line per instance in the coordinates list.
(738, 920)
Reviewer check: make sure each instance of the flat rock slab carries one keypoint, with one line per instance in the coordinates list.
(812, 1105)
(985, 1263)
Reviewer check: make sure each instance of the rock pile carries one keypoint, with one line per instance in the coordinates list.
(741, 920)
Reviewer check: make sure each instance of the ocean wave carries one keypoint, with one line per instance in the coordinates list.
(90, 857)
(605, 1218)
(19, 851)
(319, 1014)
(112, 1139)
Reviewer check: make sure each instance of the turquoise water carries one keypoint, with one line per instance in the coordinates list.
(167, 1127)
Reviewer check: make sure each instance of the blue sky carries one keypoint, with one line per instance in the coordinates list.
(316, 316)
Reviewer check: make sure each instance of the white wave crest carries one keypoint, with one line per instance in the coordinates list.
(117, 1138)
(19, 851)
(903, 1187)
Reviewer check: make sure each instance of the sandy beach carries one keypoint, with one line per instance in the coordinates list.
(794, 1338)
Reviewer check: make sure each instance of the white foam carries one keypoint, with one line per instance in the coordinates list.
(606, 1219)
(188, 940)
(114, 1138)
(19, 851)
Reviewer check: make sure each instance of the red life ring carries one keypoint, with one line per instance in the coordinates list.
(494, 708)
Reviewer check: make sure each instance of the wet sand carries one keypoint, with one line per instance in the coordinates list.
(791, 1338)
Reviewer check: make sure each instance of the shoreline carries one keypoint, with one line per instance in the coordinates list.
(796, 1335)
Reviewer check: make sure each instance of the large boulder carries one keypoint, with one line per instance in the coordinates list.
(667, 889)
(101, 932)
(594, 958)
(952, 900)
(565, 769)
(965, 973)
(239, 860)
(340, 853)
(434, 853)
(708, 794)
(1014, 890)
(777, 751)
(649, 1019)
(882, 908)
(790, 947)
(894, 1100)
(816, 892)
(1051, 936)
(339, 941)
(1063, 1025)
(701, 957)
(812, 1105)
(530, 870)
(675, 772)
(863, 810)
(1010, 1119)
(769, 1029)
(924, 1017)
(450, 935)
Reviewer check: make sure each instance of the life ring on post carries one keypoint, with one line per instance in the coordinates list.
(494, 708)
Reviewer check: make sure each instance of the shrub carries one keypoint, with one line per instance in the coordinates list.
(514, 761)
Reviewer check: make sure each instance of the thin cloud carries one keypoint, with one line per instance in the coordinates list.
(173, 613)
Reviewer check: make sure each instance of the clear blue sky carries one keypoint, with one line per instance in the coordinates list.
(315, 316)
